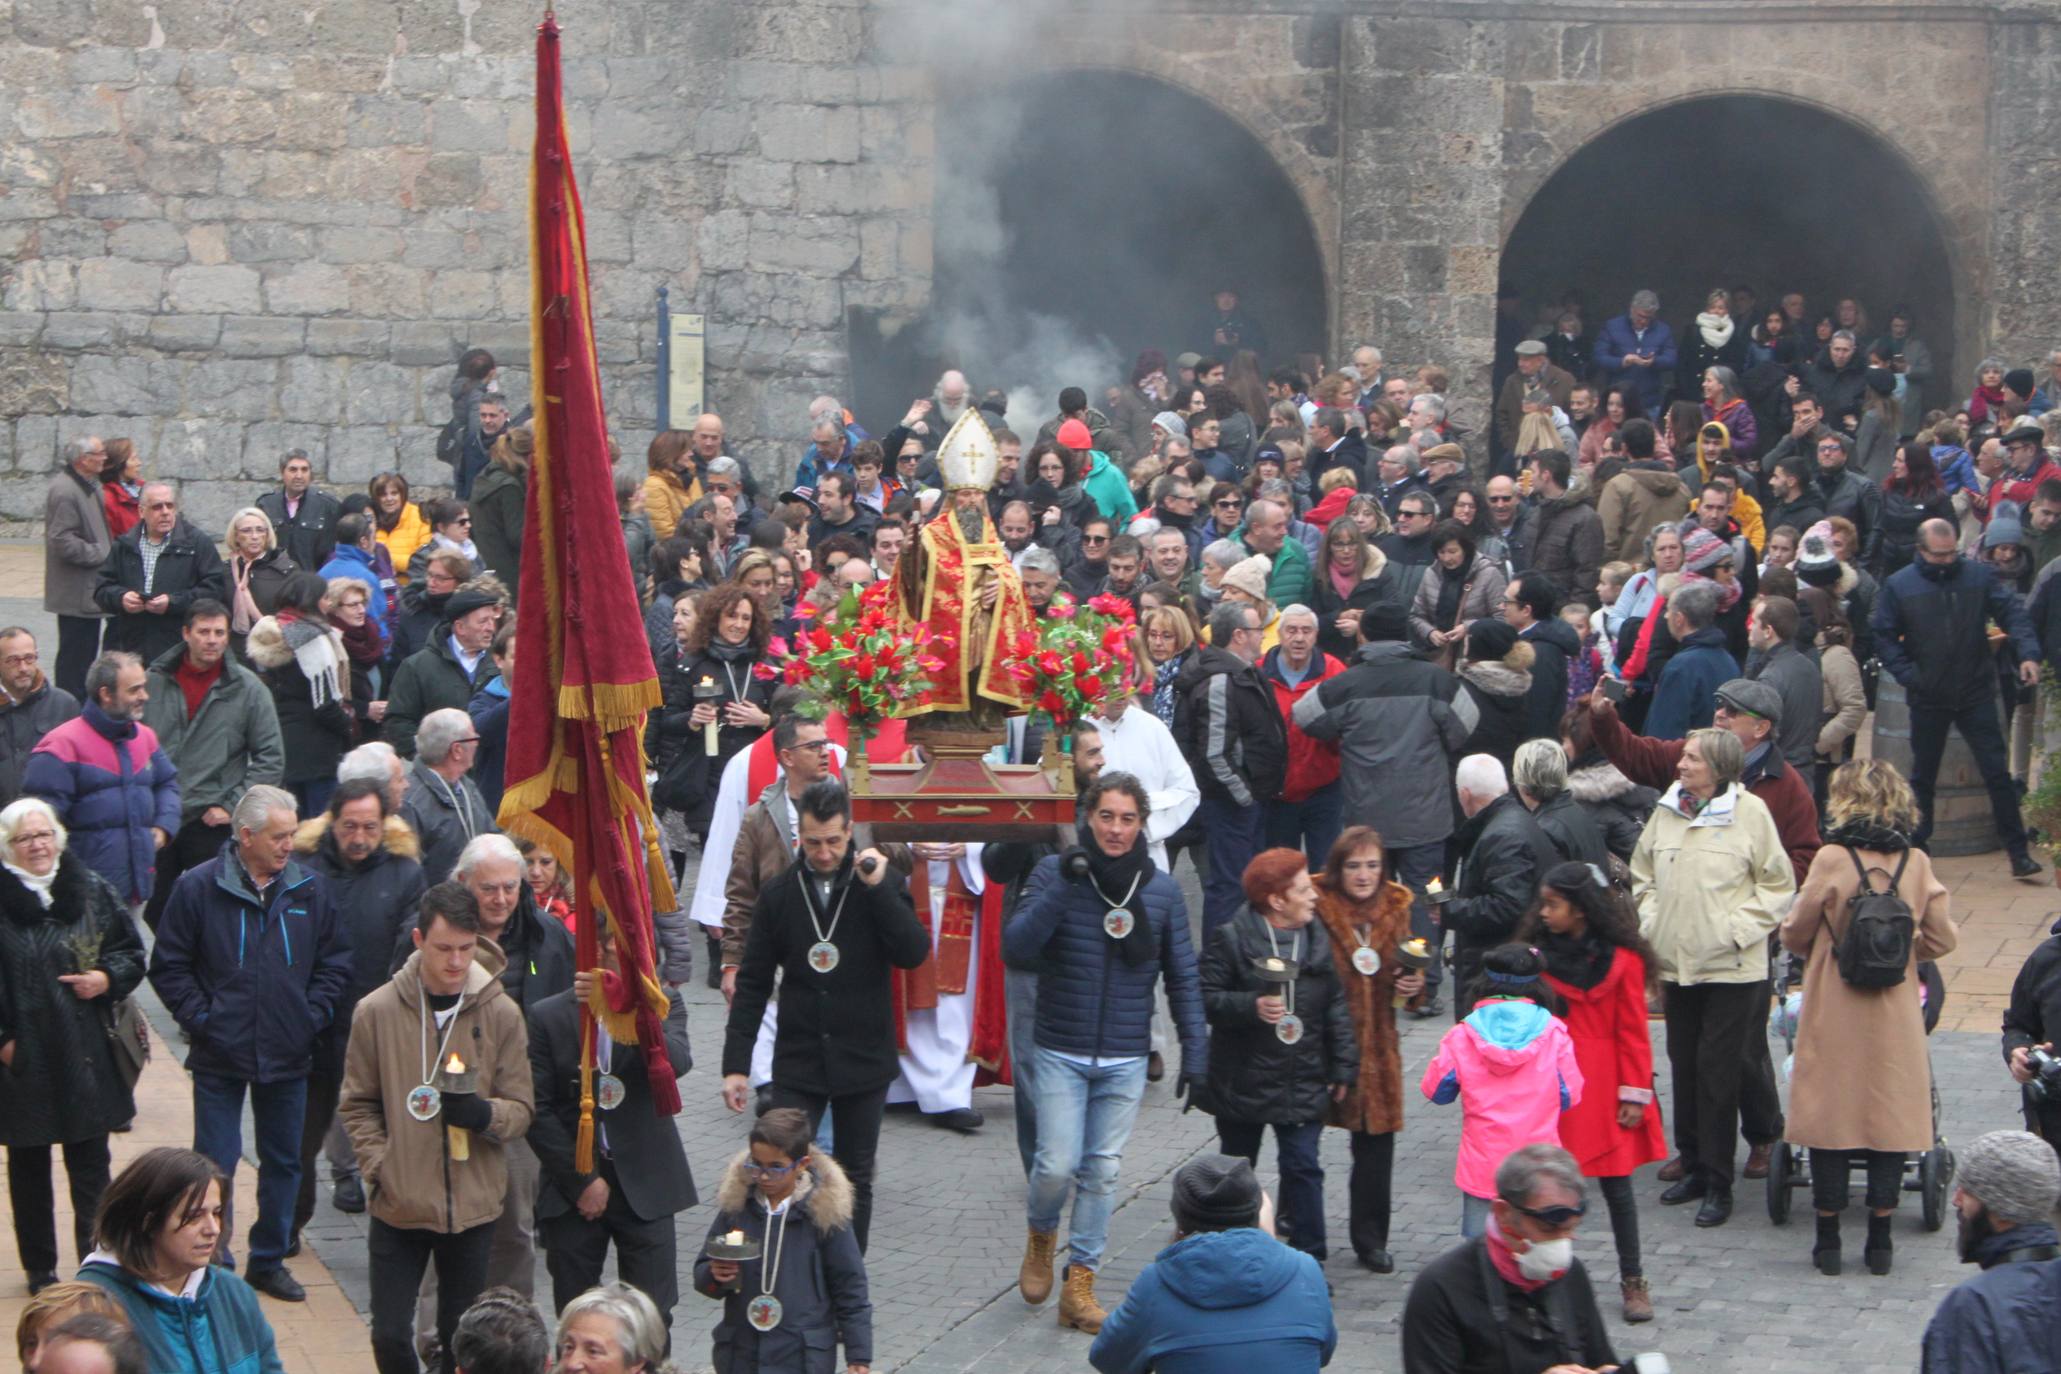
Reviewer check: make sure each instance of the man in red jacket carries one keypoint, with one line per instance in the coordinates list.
(1309, 812)
(2026, 465)
(1752, 711)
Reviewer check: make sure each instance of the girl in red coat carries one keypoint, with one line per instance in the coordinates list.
(1599, 966)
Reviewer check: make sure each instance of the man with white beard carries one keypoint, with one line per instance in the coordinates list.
(947, 403)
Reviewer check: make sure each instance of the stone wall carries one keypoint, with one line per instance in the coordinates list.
(230, 227)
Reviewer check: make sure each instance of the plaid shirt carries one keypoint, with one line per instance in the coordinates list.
(151, 553)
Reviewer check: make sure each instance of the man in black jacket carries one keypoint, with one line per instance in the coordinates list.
(156, 571)
(1842, 491)
(1531, 605)
(640, 1179)
(366, 855)
(1227, 723)
(1466, 1316)
(303, 516)
(1503, 856)
(31, 706)
(833, 927)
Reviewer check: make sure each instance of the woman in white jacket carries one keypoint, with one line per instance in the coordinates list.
(1711, 879)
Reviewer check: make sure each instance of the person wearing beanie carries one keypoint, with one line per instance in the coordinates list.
(2019, 386)
(2002, 1320)
(1225, 1297)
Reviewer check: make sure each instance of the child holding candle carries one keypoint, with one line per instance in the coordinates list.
(806, 1290)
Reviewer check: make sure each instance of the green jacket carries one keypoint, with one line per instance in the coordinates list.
(430, 680)
(229, 745)
(1289, 583)
(1107, 488)
(497, 513)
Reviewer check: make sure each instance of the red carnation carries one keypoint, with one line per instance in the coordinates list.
(1052, 704)
(1051, 664)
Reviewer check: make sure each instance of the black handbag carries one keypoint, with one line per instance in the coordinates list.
(128, 1033)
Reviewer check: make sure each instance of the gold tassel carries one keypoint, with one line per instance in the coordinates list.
(583, 1146)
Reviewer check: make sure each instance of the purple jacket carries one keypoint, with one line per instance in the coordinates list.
(1617, 339)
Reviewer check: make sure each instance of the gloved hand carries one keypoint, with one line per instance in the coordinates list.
(1073, 865)
(1196, 1091)
(467, 1111)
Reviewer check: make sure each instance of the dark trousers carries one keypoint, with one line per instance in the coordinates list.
(1368, 1190)
(276, 1110)
(315, 1118)
(397, 1260)
(1832, 1178)
(1984, 734)
(35, 1204)
(575, 1248)
(78, 644)
(1709, 1031)
(1415, 865)
(856, 1119)
(1310, 825)
(1624, 1224)
(1301, 1209)
(192, 846)
(1760, 1101)
(1232, 836)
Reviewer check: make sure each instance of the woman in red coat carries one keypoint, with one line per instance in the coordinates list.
(1599, 965)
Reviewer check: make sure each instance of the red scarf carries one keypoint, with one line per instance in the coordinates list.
(1505, 1259)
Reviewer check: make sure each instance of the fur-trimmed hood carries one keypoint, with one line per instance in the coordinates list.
(399, 839)
(1597, 782)
(1500, 679)
(823, 1189)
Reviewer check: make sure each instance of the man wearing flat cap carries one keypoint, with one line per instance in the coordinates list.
(2003, 1320)
(1225, 1286)
(449, 669)
(1533, 371)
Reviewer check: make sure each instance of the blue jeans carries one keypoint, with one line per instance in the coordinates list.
(1085, 1115)
(277, 1110)
(1414, 866)
(1301, 1209)
(1474, 1215)
(1233, 836)
(1023, 1069)
(1310, 825)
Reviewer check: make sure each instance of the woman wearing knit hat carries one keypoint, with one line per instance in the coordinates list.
(2003, 1318)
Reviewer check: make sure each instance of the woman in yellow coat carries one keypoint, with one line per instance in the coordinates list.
(673, 485)
(398, 522)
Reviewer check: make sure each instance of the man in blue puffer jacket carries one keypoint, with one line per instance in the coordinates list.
(1099, 925)
(1225, 1297)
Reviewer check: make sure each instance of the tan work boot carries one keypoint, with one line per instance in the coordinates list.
(1638, 1300)
(1034, 1280)
(1077, 1306)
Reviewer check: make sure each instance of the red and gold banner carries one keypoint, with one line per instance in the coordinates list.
(583, 673)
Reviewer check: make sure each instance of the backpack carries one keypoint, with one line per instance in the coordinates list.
(1875, 952)
(451, 442)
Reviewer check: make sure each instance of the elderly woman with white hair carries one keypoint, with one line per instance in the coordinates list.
(1538, 774)
(69, 954)
(613, 1329)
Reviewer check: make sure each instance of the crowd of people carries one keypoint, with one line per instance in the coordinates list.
(1546, 719)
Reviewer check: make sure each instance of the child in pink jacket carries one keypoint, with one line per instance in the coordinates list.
(1511, 1064)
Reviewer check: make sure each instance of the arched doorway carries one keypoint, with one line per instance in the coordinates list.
(1740, 189)
(1082, 216)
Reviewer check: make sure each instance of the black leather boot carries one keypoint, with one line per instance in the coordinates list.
(1825, 1252)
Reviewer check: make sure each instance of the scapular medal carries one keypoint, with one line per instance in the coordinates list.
(609, 1092)
(1366, 960)
(1288, 1029)
(1117, 924)
(823, 956)
(763, 1312)
(424, 1102)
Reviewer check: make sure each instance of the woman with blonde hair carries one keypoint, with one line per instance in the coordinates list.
(1170, 635)
(54, 1305)
(1861, 1005)
(258, 572)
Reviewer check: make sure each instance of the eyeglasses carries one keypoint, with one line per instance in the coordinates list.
(469, 739)
(17, 660)
(1501, 500)
(752, 1166)
(1094, 539)
(1228, 505)
(33, 837)
(1555, 1217)
(465, 520)
(1413, 515)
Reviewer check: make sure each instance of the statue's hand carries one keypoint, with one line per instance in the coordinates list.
(989, 589)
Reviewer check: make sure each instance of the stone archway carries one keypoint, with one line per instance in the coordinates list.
(1723, 189)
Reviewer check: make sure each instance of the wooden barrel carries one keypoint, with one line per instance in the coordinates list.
(1962, 822)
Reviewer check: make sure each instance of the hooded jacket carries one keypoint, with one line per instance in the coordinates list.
(1107, 488)
(1554, 645)
(1221, 1302)
(253, 980)
(1931, 631)
(1400, 721)
(41, 709)
(821, 1281)
(1253, 1075)
(229, 745)
(1498, 690)
(1647, 493)
(1711, 887)
(1227, 723)
(375, 902)
(497, 515)
(1312, 764)
(1616, 805)
(1511, 1064)
(215, 1327)
(110, 784)
(1567, 542)
(411, 1182)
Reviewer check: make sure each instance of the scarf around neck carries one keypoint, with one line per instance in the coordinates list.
(40, 886)
(1113, 877)
(1580, 961)
(1715, 329)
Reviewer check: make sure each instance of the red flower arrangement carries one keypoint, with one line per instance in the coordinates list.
(1070, 666)
(857, 662)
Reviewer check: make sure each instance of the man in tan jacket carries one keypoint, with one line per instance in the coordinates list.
(434, 1159)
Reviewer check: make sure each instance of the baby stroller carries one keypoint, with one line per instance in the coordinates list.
(1930, 1175)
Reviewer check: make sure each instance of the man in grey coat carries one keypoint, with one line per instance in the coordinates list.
(216, 722)
(1776, 661)
(443, 803)
(76, 544)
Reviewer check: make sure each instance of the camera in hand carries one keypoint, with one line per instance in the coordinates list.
(1614, 689)
(2046, 1075)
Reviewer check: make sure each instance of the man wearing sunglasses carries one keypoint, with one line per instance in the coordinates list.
(1515, 1298)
